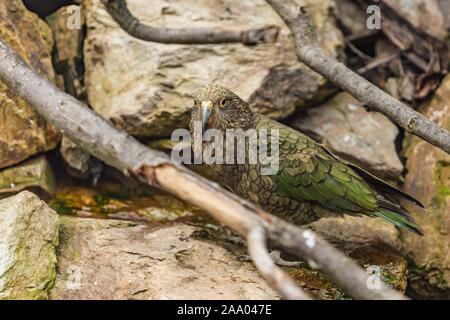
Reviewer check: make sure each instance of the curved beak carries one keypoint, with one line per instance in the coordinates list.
(206, 113)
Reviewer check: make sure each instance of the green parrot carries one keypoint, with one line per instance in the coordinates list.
(310, 182)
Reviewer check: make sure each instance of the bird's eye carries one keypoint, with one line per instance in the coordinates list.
(222, 102)
(195, 102)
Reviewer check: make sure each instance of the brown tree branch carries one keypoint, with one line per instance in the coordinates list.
(119, 11)
(310, 53)
(125, 153)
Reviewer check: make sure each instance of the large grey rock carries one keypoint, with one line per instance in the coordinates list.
(110, 259)
(23, 132)
(29, 235)
(347, 129)
(428, 179)
(34, 174)
(146, 88)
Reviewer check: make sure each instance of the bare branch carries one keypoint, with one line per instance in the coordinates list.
(125, 153)
(378, 62)
(307, 245)
(310, 53)
(256, 240)
(119, 11)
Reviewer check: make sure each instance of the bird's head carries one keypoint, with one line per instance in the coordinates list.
(219, 108)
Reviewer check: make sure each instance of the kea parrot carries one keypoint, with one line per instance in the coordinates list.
(310, 182)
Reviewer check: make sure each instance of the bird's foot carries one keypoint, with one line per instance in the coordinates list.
(279, 261)
(276, 258)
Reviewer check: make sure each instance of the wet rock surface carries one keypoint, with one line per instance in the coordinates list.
(23, 132)
(149, 93)
(29, 236)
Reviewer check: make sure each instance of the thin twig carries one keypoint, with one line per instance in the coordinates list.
(309, 52)
(257, 248)
(358, 52)
(377, 62)
(117, 149)
(119, 12)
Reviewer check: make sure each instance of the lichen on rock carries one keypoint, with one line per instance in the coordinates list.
(29, 230)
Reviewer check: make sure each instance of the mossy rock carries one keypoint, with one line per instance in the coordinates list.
(34, 174)
(29, 230)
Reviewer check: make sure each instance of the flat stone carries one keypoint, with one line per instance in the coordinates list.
(111, 259)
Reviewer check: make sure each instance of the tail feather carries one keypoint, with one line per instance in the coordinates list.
(385, 188)
(394, 207)
(400, 221)
(389, 199)
(379, 185)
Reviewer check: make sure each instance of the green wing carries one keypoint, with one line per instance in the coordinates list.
(309, 173)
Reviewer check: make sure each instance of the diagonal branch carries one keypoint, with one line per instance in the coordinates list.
(125, 153)
(256, 240)
(310, 53)
(119, 11)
